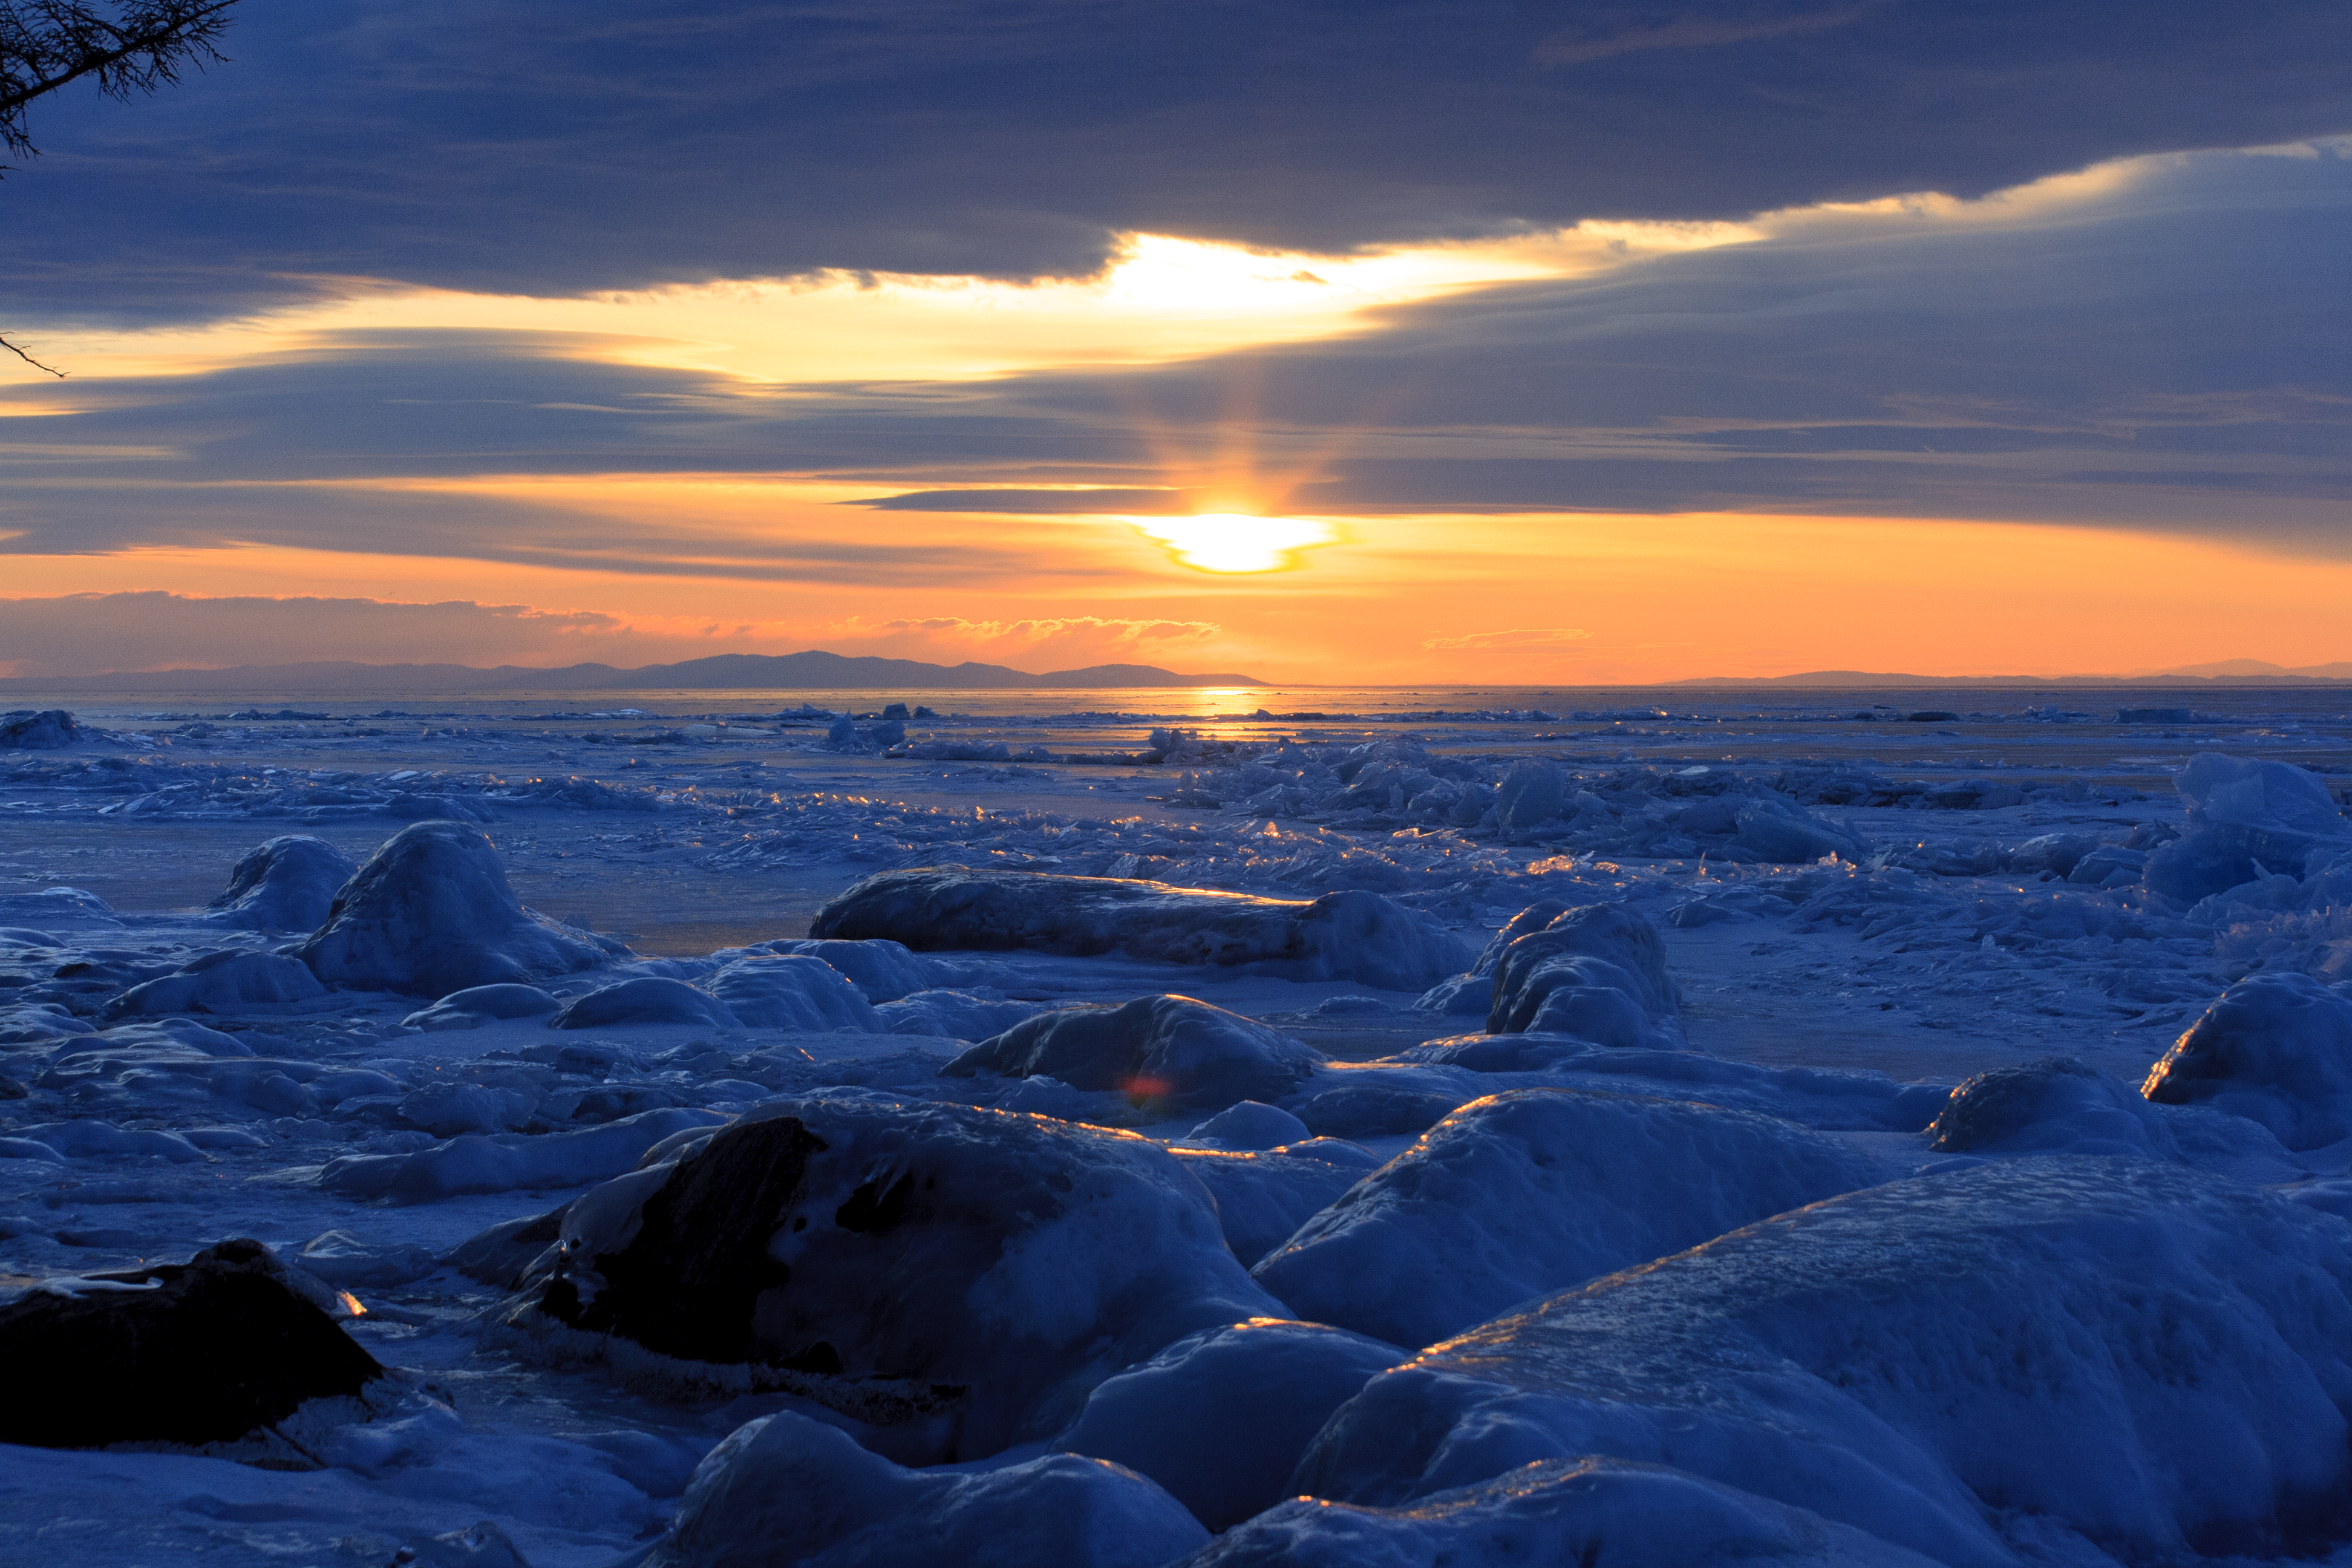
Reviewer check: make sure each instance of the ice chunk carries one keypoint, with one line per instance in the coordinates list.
(784, 1489)
(2147, 1355)
(991, 1267)
(287, 883)
(2276, 1049)
(431, 913)
(25, 731)
(1598, 971)
(1531, 790)
(792, 992)
(215, 1350)
(1581, 1510)
(2245, 818)
(1536, 1190)
(1775, 830)
(1220, 1417)
(648, 999)
(222, 983)
(1168, 1055)
(479, 1005)
(1376, 1105)
(1351, 935)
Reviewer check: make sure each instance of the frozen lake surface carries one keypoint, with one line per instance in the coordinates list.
(1647, 1230)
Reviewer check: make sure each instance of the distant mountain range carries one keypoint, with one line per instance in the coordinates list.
(811, 671)
(2227, 672)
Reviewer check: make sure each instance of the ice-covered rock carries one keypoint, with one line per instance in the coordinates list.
(478, 1004)
(2152, 1357)
(205, 1354)
(448, 1109)
(430, 913)
(954, 1015)
(2276, 1049)
(792, 992)
(23, 730)
(1265, 1196)
(884, 971)
(1533, 1191)
(1466, 994)
(648, 999)
(222, 983)
(1220, 1417)
(2056, 1105)
(287, 883)
(348, 1263)
(507, 1161)
(785, 1488)
(1351, 935)
(89, 1138)
(1168, 1055)
(1580, 1510)
(958, 1277)
(2054, 852)
(1598, 971)
(1372, 1104)
(1251, 1124)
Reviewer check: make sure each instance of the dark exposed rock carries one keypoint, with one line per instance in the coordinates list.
(189, 1354)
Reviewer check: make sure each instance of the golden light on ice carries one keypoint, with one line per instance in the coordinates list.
(1234, 541)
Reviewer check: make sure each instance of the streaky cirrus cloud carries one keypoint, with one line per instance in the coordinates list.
(497, 145)
(1557, 639)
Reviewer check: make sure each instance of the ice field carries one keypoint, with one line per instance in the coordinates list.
(1125, 1129)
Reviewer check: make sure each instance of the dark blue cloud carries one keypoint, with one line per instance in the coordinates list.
(2175, 353)
(500, 145)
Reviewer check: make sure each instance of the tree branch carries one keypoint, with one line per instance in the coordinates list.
(29, 360)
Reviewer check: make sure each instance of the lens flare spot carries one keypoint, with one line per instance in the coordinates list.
(1234, 541)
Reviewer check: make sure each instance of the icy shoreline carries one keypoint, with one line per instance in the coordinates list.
(191, 1074)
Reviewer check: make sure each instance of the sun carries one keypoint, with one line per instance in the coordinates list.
(1234, 541)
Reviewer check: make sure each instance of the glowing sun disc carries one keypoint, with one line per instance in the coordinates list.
(1234, 541)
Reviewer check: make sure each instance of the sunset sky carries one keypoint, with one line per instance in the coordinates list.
(1525, 342)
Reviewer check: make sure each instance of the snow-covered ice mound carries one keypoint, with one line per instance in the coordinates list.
(287, 883)
(503, 1162)
(2276, 1049)
(2156, 1359)
(1265, 1196)
(430, 913)
(770, 991)
(210, 1354)
(1579, 1511)
(1169, 1056)
(960, 1277)
(221, 982)
(2246, 819)
(784, 1489)
(1598, 971)
(1220, 1417)
(1352, 935)
(1536, 1190)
